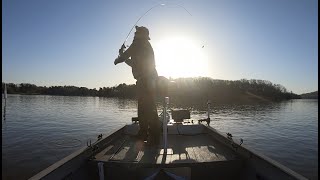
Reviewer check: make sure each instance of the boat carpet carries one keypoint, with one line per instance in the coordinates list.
(181, 149)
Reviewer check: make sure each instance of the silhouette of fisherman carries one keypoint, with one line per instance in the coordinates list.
(142, 63)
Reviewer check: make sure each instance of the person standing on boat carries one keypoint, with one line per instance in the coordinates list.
(140, 57)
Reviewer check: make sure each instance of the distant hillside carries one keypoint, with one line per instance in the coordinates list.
(184, 91)
(312, 95)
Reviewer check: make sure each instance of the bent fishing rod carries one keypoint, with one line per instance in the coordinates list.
(121, 50)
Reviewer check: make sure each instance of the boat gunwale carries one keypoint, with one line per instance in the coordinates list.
(77, 154)
(249, 153)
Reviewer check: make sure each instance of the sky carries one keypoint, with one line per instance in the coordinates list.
(75, 42)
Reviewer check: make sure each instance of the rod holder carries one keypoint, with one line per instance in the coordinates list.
(208, 108)
(165, 122)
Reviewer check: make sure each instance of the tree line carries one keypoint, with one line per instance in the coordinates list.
(182, 90)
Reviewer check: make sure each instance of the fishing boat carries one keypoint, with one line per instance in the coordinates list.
(188, 149)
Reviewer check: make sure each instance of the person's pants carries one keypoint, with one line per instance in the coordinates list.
(147, 110)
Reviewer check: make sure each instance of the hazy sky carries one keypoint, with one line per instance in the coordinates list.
(75, 42)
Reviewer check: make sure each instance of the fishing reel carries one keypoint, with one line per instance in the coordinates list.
(121, 50)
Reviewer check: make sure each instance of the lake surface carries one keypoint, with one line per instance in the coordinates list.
(40, 130)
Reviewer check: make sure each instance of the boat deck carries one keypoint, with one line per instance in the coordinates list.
(194, 151)
(182, 148)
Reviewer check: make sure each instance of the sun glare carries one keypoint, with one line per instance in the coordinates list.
(180, 57)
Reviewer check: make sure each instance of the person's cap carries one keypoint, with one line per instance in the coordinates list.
(142, 32)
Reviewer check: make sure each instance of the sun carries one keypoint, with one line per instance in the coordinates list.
(180, 57)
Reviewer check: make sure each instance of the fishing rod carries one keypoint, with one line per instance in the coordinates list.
(123, 46)
(139, 20)
(162, 4)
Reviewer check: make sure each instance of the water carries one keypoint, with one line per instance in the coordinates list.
(40, 130)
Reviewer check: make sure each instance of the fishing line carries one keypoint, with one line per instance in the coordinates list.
(65, 142)
(161, 4)
(52, 145)
(68, 143)
(139, 20)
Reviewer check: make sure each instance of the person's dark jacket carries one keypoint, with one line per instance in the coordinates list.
(142, 59)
